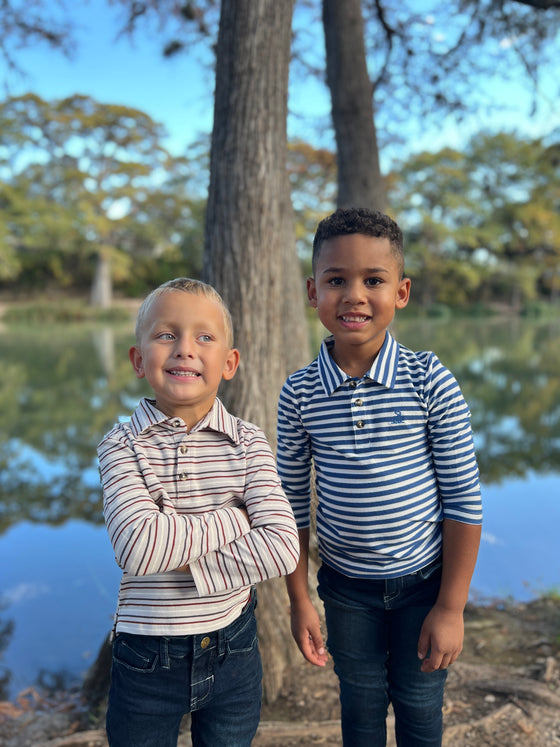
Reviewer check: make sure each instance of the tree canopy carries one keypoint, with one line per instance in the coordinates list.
(78, 178)
(80, 181)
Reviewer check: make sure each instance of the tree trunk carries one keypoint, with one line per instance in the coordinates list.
(359, 175)
(102, 286)
(250, 251)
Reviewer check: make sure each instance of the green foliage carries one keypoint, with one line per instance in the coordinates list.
(482, 225)
(62, 312)
(79, 178)
(439, 311)
(312, 173)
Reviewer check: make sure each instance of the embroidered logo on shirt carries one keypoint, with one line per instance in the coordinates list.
(398, 418)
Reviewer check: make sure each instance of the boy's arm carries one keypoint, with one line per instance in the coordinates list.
(441, 637)
(294, 466)
(306, 627)
(271, 548)
(150, 537)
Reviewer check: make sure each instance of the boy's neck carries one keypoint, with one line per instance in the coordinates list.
(190, 415)
(353, 361)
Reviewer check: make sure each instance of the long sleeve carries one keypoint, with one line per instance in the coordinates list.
(271, 548)
(294, 456)
(147, 533)
(392, 456)
(451, 440)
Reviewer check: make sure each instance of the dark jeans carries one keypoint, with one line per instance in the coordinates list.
(373, 629)
(215, 676)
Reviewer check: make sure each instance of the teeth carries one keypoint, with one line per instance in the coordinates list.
(354, 318)
(189, 374)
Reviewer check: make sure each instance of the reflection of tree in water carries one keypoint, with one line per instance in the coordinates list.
(23, 498)
(54, 682)
(515, 401)
(509, 371)
(63, 388)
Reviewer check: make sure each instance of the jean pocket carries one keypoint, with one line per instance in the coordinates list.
(241, 639)
(131, 652)
(430, 570)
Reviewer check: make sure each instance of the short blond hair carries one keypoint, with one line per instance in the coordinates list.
(188, 285)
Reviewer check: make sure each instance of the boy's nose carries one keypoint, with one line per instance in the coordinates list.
(183, 348)
(354, 293)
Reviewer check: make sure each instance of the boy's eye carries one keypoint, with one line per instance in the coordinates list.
(373, 281)
(165, 336)
(336, 281)
(205, 338)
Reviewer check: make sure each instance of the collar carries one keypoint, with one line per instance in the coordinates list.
(218, 419)
(383, 369)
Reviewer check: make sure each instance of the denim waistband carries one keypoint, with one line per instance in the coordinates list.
(422, 573)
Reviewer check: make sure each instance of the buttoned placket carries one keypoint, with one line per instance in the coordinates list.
(182, 451)
(356, 402)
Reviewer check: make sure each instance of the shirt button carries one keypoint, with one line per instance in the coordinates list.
(353, 384)
(176, 423)
(183, 476)
(360, 424)
(205, 642)
(183, 449)
(359, 402)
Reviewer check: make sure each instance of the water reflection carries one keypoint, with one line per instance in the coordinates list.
(510, 374)
(62, 391)
(63, 387)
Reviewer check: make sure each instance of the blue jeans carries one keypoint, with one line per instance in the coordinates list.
(373, 628)
(214, 676)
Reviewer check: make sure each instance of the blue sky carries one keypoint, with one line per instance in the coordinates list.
(178, 91)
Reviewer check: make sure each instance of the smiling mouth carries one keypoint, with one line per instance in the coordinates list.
(185, 374)
(354, 319)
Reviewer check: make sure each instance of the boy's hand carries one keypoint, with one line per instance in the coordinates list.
(441, 637)
(306, 630)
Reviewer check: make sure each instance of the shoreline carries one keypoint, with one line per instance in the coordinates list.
(503, 690)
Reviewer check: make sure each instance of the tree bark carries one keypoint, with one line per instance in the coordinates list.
(250, 253)
(359, 174)
(250, 250)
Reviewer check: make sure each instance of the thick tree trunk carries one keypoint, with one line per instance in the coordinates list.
(359, 175)
(250, 252)
(250, 239)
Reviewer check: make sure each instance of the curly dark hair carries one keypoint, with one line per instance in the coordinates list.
(345, 221)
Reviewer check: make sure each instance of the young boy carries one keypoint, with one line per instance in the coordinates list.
(399, 511)
(197, 516)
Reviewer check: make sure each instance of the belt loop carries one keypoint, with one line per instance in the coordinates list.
(164, 652)
(221, 641)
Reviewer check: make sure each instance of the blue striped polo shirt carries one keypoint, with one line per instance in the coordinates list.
(392, 453)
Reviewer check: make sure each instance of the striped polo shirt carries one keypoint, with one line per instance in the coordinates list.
(172, 497)
(393, 456)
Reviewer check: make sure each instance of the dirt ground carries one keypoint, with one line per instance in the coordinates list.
(504, 691)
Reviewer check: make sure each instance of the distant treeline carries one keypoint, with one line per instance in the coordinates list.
(87, 187)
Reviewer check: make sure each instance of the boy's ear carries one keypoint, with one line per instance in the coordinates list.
(136, 359)
(312, 292)
(230, 366)
(403, 293)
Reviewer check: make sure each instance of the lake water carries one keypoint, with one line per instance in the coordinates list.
(63, 387)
